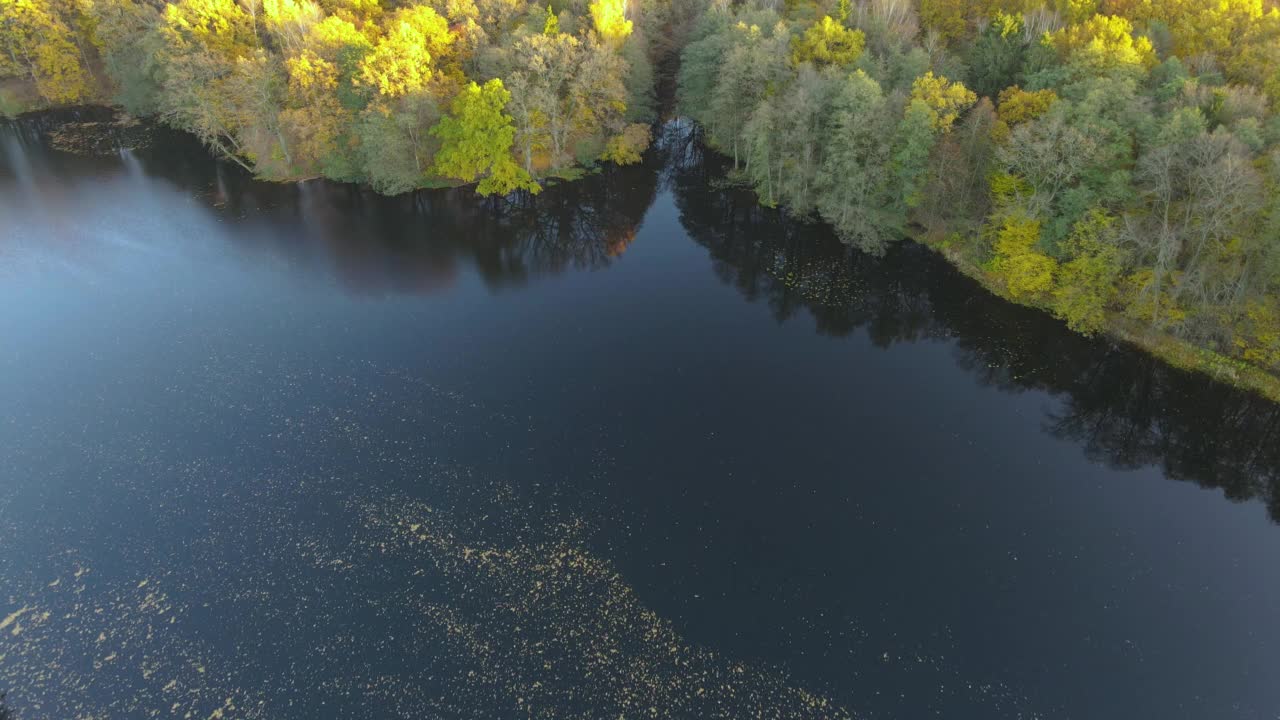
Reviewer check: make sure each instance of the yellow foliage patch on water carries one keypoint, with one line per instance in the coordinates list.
(12, 617)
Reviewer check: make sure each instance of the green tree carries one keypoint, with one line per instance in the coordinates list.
(997, 55)
(127, 41)
(803, 134)
(912, 143)
(394, 152)
(755, 63)
(1199, 230)
(700, 67)
(639, 79)
(854, 180)
(763, 166)
(476, 139)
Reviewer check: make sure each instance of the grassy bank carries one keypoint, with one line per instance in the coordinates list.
(1175, 351)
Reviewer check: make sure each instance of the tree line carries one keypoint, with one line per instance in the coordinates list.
(1115, 161)
(1124, 408)
(399, 94)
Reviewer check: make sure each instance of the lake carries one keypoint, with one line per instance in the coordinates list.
(634, 448)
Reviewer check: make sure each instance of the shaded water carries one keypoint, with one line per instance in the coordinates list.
(635, 448)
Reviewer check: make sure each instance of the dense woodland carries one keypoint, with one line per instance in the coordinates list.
(400, 94)
(1116, 161)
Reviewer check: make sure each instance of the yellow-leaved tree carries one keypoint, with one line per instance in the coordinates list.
(289, 21)
(321, 88)
(41, 45)
(402, 59)
(828, 42)
(1087, 283)
(1104, 43)
(1025, 270)
(945, 99)
(476, 139)
(626, 147)
(610, 20)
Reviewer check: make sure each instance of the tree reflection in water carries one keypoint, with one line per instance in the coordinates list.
(415, 243)
(1125, 408)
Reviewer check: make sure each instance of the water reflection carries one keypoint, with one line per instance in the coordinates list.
(1124, 408)
(372, 245)
(414, 243)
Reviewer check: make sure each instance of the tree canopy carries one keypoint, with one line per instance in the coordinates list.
(388, 92)
(1114, 161)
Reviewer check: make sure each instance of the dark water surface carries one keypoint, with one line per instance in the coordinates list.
(636, 449)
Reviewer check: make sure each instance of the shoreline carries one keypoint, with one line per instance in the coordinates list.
(49, 122)
(1166, 348)
(1171, 350)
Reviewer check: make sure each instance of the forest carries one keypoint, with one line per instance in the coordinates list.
(399, 95)
(1116, 162)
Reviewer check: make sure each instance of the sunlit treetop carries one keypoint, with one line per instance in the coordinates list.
(551, 26)
(1007, 24)
(610, 19)
(221, 26)
(476, 139)
(333, 34)
(1018, 106)
(356, 11)
(1103, 43)
(290, 20)
(309, 73)
(844, 8)
(1077, 11)
(402, 59)
(1196, 26)
(1027, 272)
(751, 32)
(945, 99)
(41, 45)
(828, 42)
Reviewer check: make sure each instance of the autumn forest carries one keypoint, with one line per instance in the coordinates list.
(396, 95)
(1116, 162)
